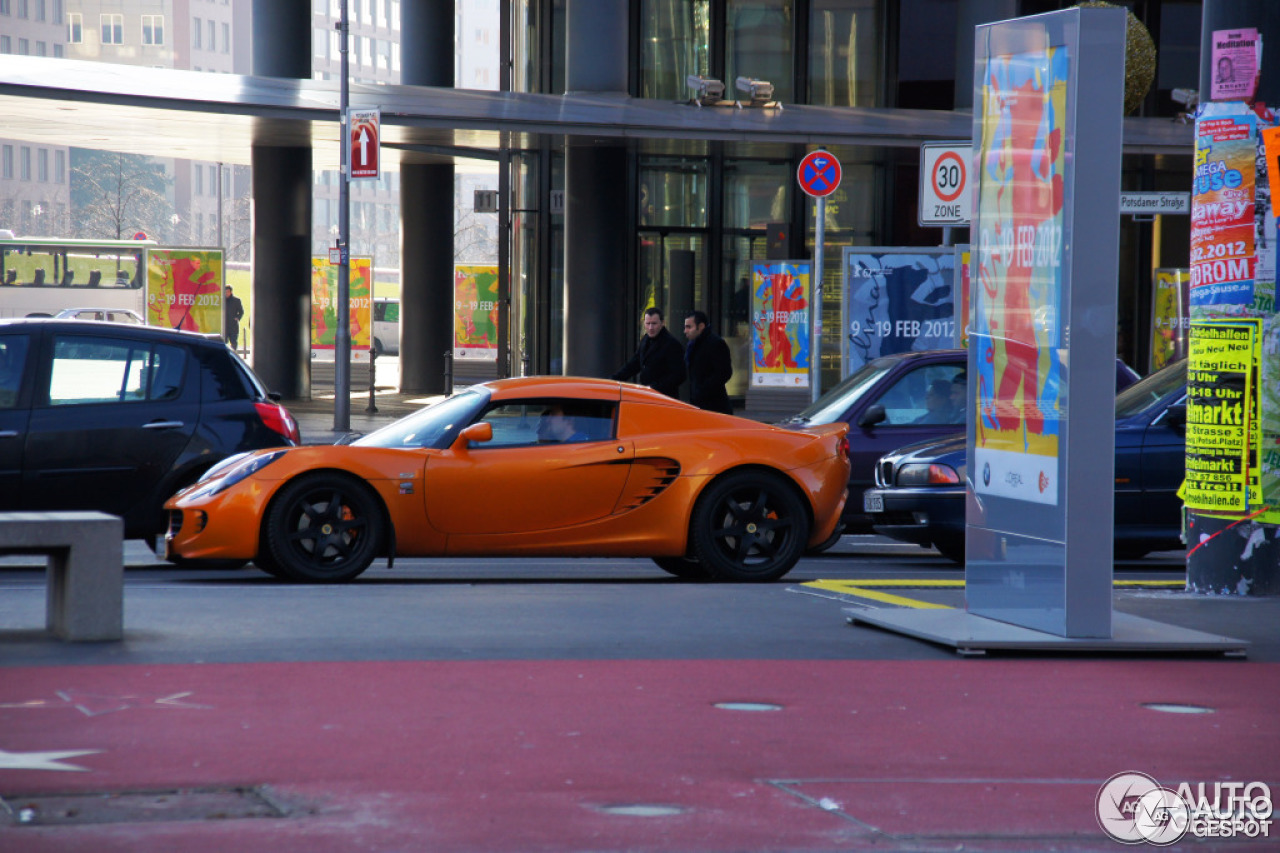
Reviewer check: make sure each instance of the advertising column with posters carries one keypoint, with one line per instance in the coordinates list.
(184, 289)
(475, 312)
(780, 298)
(324, 308)
(897, 300)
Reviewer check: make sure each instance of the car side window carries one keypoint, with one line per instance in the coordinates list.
(13, 360)
(528, 423)
(925, 396)
(105, 370)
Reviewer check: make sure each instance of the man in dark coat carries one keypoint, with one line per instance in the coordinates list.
(235, 311)
(710, 366)
(658, 359)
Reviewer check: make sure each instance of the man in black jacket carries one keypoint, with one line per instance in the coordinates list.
(710, 366)
(658, 359)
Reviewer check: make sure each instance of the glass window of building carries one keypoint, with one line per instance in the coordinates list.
(153, 29)
(75, 28)
(24, 47)
(6, 46)
(213, 35)
(226, 38)
(59, 167)
(42, 164)
(844, 53)
(112, 29)
(25, 161)
(759, 44)
(674, 44)
(673, 192)
(6, 161)
(197, 33)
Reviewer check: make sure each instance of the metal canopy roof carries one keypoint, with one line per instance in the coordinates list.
(219, 117)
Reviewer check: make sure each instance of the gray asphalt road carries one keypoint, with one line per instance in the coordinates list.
(445, 609)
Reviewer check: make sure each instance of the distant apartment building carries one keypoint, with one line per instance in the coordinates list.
(35, 193)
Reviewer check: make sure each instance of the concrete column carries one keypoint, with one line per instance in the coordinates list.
(596, 234)
(281, 328)
(426, 211)
(426, 276)
(282, 38)
(596, 223)
(1236, 554)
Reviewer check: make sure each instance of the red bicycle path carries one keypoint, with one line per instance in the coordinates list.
(994, 754)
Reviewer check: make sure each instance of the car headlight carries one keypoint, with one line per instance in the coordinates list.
(927, 474)
(225, 476)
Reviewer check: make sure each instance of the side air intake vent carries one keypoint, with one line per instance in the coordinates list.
(649, 478)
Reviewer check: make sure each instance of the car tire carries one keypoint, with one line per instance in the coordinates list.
(749, 526)
(683, 568)
(324, 528)
(267, 563)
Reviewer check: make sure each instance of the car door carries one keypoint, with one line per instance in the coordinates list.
(111, 417)
(523, 480)
(903, 398)
(17, 362)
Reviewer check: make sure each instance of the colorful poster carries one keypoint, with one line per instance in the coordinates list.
(780, 324)
(1222, 208)
(1018, 275)
(1221, 405)
(1170, 317)
(1236, 56)
(897, 300)
(184, 289)
(1269, 422)
(475, 312)
(324, 307)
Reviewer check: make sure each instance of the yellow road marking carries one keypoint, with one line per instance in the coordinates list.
(865, 589)
(858, 588)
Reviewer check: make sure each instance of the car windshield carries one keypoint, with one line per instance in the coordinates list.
(1141, 396)
(434, 426)
(832, 405)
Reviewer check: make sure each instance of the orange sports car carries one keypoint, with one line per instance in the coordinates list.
(521, 467)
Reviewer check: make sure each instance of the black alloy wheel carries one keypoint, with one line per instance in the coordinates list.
(750, 526)
(324, 528)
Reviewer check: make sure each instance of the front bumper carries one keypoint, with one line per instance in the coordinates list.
(920, 516)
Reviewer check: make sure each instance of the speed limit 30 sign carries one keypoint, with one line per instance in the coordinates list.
(944, 183)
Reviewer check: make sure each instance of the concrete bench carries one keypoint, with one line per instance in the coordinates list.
(86, 568)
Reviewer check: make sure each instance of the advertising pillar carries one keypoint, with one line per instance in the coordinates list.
(1232, 486)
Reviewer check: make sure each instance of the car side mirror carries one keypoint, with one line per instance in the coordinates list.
(480, 432)
(875, 414)
(1176, 416)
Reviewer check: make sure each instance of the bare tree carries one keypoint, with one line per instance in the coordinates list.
(115, 195)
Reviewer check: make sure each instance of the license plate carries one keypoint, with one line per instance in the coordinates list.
(872, 502)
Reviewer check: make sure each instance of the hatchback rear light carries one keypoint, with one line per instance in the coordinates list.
(843, 447)
(277, 419)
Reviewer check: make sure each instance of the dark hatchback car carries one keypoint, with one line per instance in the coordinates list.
(116, 418)
(890, 402)
(919, 494)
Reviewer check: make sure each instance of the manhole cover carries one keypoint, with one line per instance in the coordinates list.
(140, 806)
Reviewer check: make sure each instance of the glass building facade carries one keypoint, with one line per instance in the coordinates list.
(699, 212)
